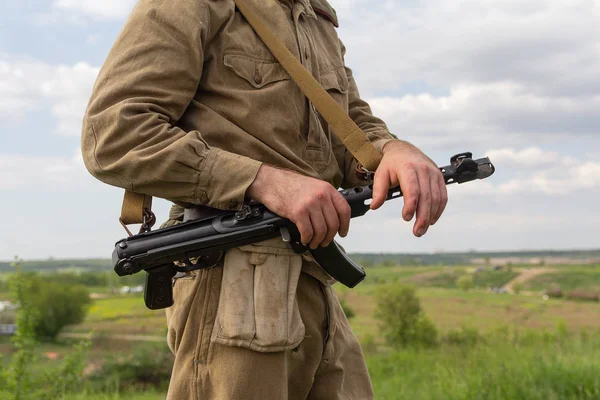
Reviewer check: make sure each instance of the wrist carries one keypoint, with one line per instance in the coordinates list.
(396, 144)
(263, 184)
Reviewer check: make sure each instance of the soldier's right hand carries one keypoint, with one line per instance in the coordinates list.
(317, 208)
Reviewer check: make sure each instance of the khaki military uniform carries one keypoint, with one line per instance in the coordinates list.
(187, 107)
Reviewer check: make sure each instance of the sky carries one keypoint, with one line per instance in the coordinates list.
(518, 81)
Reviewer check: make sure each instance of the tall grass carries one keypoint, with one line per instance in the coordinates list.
(534, 367)
(148, 395)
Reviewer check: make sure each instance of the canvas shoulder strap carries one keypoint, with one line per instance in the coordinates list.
(355, 140)
(342, 125)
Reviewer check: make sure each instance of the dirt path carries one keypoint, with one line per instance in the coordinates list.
(527, 275)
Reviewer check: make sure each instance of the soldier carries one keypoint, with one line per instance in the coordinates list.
(191, 106)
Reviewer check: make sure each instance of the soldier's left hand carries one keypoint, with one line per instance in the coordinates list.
(420, 179)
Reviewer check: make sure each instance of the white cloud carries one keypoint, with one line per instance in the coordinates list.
(107, 9)
(531, 157)
(537, 173)
(20, 172)
(484, 74)
(32, 85)
(536, 43)
(557, 180)
(488, 113)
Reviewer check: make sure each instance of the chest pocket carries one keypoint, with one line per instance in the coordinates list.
(257, 71)
(335, 81)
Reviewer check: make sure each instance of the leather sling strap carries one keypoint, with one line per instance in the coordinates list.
(135, 204)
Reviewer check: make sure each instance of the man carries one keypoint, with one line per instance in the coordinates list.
(191, 106)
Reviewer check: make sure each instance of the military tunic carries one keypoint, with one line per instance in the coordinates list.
(188, 105)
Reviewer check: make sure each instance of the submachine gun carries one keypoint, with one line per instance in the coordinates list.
(165, 252)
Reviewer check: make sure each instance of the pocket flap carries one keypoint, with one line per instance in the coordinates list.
(269, 247)
(255, 70)
(335, 79)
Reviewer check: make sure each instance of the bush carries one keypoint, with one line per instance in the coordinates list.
(582, 295)
(403, 321)
(22, 379)
(465, 282)
(347, 310)
(517, 287)
(464, 336)
(55, 305)
(554, 292)
(147, 366)
(368, 344)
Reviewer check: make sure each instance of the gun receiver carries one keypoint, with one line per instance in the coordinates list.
(164, 252)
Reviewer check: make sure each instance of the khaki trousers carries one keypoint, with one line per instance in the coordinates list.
(328, 364)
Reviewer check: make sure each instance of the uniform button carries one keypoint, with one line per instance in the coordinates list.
(203, 198)
(257, 78)
(233, 205)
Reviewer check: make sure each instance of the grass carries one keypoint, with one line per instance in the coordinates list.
(123, 315)
(377, 275)
(453, 309)
(490, 279)
(534, 366)
(495, 371)
(442, 277)
(578, 278)
(151, 395)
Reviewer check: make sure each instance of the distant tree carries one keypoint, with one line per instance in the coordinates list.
(388, 262)
(20, 377)
(55, 305)
(403, 321)
(465, 282)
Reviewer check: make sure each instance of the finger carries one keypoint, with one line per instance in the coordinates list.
(424, 202)
(332, 220)
(319, 227)
(381, 186)
(436, 196)
(409, 184)
(443, 199)
(344, 213)
(305, 228)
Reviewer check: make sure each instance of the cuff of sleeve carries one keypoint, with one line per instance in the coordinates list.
(379, 142)
(226, 177)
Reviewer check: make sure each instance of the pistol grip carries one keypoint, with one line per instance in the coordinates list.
(158, 292)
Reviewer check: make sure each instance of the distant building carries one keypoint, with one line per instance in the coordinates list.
(137, 289)
(7, 306)
(128, 289)
(8, 329)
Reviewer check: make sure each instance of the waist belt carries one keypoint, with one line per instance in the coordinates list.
(200, 212)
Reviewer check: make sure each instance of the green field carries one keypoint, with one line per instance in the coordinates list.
(524, 346)
(567, 280)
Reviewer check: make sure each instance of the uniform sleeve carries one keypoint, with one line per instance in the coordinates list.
(375, 129)
(130, 138)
